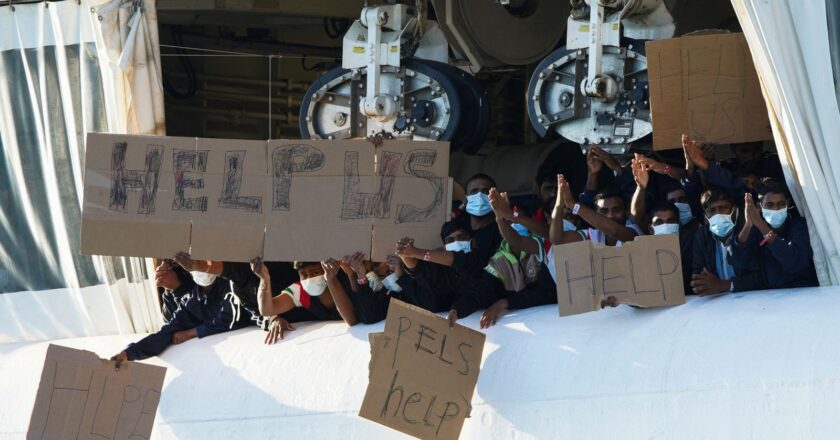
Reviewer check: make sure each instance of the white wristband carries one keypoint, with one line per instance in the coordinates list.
(576, 208)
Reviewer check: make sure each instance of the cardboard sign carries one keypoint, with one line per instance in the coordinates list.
(705, 86)
(422, 373)
(232, 200)
(646, 272)
(81, 396)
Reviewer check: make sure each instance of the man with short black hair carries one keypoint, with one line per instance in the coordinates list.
(712, 270)
(206, 309)
(481, 221)
(245, 285)
(609, 220)
(777, 241)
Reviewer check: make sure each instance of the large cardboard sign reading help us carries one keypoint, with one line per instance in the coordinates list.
(82, 397)
(232, 200)
(422, 373)
(646, 272)
(705, 86)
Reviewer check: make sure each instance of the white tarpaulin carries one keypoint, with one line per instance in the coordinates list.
(68, 68)
(760, 365)
(789, 42)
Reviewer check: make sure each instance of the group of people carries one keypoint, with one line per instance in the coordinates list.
(735, 220)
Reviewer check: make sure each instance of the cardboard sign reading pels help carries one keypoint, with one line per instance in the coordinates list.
(423, 373)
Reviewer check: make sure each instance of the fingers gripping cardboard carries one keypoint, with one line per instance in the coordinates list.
(151, 196)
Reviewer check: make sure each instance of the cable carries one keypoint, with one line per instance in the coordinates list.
(188, 69)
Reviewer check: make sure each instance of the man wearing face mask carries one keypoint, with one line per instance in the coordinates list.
(245, 284)
(443, 274)
(665, 220)
(323, 290)
(482, 222)
(712, 270)
(207, 309)
(516, 264)
(609, 219)
(778, 242)
(541, 290)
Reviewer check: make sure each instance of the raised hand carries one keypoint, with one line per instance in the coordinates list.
(184, 260)
(357, 264)
(694, 153)
(259, 268)
(500, 204)
(640, 171)
(593, 162)
(331, 268)
(406, 249)
(564, 193)
(606, 158)
(752, 216)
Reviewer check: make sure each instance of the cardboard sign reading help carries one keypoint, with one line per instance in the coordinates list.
(422, 373)
(646, 272)
(81, 396)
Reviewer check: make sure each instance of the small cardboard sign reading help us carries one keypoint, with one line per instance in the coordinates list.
(646, 272)
(422, 373)
(705, 86)
(82, 396)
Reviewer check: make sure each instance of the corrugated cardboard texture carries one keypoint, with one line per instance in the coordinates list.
(423, 373)
(705, 86)
(232, 200)
(82, 396)
(646, 272)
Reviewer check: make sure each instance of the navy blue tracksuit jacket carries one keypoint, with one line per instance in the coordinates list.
(209, 311)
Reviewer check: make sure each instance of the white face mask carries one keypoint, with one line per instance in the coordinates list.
(203, 279)
(314, 286)
(390, 283)
(374, 281)
(458, 246)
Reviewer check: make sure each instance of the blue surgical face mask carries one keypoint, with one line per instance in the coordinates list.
(685, 212)
(459, 246)
(479, 204)
(775, 218)
(666, 229)
(721, 224)
(521, 230)
(569, 226)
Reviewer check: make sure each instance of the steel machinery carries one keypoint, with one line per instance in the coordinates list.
(595, 89)
(395, 80)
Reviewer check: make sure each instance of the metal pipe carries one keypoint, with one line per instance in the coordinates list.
(230, 113)
(291, 103)
(281, 85)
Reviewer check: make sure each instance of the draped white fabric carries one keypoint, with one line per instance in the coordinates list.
(68, 68)
(790, 46)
